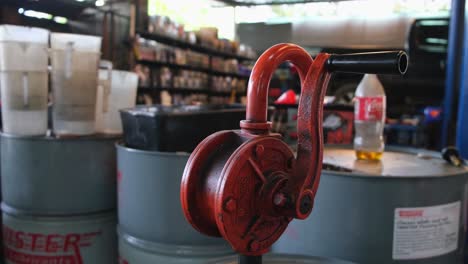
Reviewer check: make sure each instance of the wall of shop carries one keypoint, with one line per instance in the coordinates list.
(261, 36)
(387, 32)
(355, 33)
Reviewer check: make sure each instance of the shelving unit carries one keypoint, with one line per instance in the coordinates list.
(210, 52)
(183, 90)
(191, 68)
(186, 45)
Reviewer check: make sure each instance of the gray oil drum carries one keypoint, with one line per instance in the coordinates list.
(135, 251)
(408, 208)
(86, 239)
(149, 199)
(46, 175)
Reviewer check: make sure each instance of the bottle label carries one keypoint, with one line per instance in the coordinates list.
(369, 108)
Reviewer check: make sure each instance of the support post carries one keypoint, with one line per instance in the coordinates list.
(462, 120)
(453, 76)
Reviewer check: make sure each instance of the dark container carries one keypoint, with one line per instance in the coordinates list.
(177, 128)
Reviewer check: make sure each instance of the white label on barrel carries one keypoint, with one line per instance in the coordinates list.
(425, 232)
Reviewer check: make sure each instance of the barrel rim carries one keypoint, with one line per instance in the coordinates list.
(93, 137)
(9, 210)
(433, 154)
(306, 259)
(120, 145)
(218, 250)
(326, 173)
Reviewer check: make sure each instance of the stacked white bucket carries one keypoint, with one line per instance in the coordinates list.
(116, 90)
(75, 62)
(79, 107)
(87, 100)
(24, 79)
(59, 193)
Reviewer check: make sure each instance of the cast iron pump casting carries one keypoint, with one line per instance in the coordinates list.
(246, 185)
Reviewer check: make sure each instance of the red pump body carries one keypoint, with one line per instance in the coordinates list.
(246, 185)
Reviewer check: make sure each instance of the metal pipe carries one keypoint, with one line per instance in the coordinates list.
(243, 259)
(386, 62)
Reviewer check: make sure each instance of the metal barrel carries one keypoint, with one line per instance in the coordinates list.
(385, 62)
(409, 208)
(87, 239)
(288, 259)
(135, 251)
(45, 175)
(149, 199)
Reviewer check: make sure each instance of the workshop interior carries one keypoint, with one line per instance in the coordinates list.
(234, 131)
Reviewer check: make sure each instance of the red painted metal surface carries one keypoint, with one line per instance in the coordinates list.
(246, 185)
(264, 68)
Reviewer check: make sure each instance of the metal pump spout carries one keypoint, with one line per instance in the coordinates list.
(386, 62)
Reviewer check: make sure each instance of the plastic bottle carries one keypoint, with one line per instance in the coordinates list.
(369, 118)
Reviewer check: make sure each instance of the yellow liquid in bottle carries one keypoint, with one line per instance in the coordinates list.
(368, 155)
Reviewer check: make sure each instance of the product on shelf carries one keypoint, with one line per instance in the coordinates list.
(151, 50)
(246, 51)
(220, 100)
(191, 80)
(191, 37)
(245, 70)
(241, 86)
(143, 50)
(163, 53)
(165, 77)
(197, 59)
(206, 36)
(143, 73)
(226, 45)
(192, 99)
(144, 99)
(227, 84)
(166, 98)
(222, 65)
(164, 25)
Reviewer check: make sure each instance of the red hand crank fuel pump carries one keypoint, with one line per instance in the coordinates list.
(246, 185)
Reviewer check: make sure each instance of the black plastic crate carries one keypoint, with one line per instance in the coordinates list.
(177, 128)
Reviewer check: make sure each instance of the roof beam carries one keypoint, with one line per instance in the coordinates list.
(279, 2)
